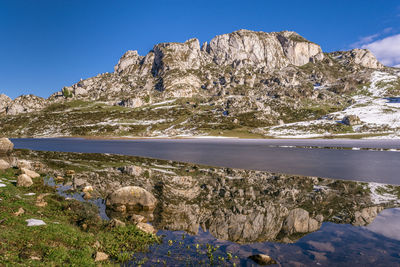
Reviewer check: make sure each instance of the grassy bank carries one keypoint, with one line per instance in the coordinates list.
(73, 233)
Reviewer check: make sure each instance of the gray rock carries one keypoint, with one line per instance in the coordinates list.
(299, 221)
(4, 164)
(263, 259)
(6, 146)
(366, 215)
(24, 104)
(24, 180)
(4, 102)
(131, 198)
(351, 120)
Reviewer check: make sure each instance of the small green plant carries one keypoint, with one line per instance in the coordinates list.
(67, 93)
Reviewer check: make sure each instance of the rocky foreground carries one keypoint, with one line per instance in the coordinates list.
(244, 84)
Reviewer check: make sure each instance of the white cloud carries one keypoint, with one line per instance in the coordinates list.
(387, 50)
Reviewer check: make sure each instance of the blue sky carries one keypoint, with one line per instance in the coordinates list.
(48, 44)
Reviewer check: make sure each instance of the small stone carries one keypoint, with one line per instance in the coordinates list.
(59, 178)
(24, 180)
(40, 202)
(147, 228)
(19, 212)
(137, 218)
(35, 222)
(30, 173)
(263, 259)
(70, 173)
(101, 256)
(87, 196)
(88, 188)
(35, 258)
(116, 223)
(97, 244)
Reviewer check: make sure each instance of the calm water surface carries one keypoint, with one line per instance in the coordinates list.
(266, 155)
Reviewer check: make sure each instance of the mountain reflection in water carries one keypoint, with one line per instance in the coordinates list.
(297, 220)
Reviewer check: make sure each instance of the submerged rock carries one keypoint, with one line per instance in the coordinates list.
(131, 198)
(263, 259)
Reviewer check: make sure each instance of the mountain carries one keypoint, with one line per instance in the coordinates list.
(245, 83)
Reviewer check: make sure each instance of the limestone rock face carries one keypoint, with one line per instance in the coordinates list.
(299, 221)
(24, 104)
(4, 102)
(298, 50)
(131, 198)
(130, 58)
(366, 215)
(6, 146)
(260, 49)
(362, 57)
(247, 47)
(365, 58)
(181, 56)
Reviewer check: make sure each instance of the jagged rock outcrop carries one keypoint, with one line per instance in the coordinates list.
(362, 57)
(24, 104)
(4, 102)
(130, 58)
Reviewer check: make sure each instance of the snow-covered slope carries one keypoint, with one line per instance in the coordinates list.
(378, 108)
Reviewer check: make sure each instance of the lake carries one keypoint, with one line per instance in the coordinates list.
(329, 158)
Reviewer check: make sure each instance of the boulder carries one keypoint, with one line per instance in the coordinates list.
(24, 180)
(116, 223)
(30, 173)
(131, 198)
(6, 146)
(351, 120)
(147, 228)
(263, 259)
(4, 164)
(101, 256)
(132, 170)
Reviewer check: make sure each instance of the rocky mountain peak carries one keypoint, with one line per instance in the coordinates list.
(131, 57)
(4, 102)
(259, 49)
(24, 104)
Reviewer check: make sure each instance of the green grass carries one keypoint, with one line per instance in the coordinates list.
(69, 236)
